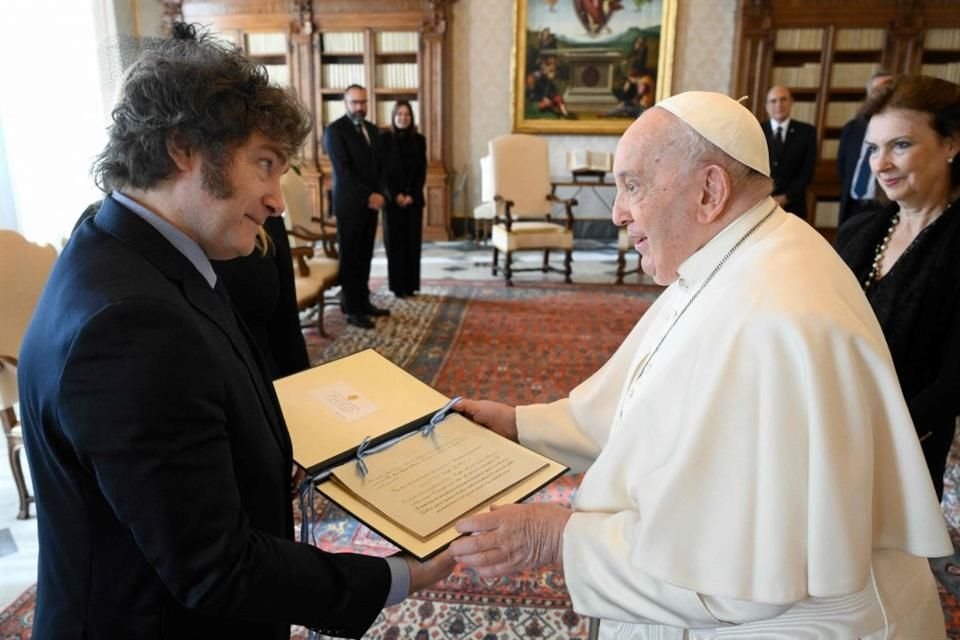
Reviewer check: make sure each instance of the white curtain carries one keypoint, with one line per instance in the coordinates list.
(53, 111)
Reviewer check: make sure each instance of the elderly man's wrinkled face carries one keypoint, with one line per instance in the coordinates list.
(656, 195)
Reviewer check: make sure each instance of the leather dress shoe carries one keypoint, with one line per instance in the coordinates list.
(360, 320)
(375, 311)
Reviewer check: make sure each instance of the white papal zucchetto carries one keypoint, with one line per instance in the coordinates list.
(724, 122)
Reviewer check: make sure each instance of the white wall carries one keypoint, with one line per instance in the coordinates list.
(55, 105)
(482, 42)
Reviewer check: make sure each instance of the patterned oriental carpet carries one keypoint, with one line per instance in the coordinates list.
(519, 345)
(529, 343)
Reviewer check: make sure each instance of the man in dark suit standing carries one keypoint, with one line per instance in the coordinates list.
(793, 152)
(857, 185)
(353, 145)
(160, 458)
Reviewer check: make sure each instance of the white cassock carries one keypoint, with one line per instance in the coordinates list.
(762, 477)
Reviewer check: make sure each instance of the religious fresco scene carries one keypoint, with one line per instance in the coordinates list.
(591, 59)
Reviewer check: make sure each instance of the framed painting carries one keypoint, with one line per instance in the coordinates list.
(589, 66)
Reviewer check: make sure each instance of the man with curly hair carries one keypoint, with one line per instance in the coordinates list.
(160, 457)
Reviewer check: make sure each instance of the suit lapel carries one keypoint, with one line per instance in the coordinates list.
(207, 302)
(147, 241)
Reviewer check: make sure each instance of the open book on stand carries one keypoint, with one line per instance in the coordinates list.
(595, 163)
(413, 479)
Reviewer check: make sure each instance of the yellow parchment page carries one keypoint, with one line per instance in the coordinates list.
(331, 408)
(426, 483)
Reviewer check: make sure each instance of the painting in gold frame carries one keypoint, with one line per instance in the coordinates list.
(589, 66)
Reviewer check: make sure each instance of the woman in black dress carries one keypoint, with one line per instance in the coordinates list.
(405, 167)
(907, 256)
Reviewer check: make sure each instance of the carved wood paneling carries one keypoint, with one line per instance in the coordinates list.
(904, 21)
(305, 21)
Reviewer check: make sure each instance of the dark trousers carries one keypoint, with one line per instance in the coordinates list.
(356, 233)
(403, 239)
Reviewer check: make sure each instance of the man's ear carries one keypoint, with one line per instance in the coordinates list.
(181, 151)
(714, 195)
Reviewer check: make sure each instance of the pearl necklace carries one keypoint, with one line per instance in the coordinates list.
(881, 249)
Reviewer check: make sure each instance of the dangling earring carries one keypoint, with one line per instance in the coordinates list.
(949, 160)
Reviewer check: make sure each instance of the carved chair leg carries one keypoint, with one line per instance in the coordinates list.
(493, 270)
(20, 481)
(14, 447)
(321, 304)
(621, 266)
(507, 268)
(566, 267)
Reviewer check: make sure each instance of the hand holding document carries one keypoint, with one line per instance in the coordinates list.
(511, 538)
(415, 487)
(427, 482)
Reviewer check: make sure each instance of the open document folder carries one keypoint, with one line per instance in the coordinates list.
(413, 490)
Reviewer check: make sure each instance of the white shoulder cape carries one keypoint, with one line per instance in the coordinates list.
(765, 452)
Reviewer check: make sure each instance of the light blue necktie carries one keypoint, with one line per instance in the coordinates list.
(863, 176)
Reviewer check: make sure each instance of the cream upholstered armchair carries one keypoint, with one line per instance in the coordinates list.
(313, 245)
(485, 212)
(24, 268)
(524, 200)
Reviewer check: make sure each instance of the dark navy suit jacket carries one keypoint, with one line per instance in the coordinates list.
(848, 155)
(792, 170)
(161, 461)
(357, 168)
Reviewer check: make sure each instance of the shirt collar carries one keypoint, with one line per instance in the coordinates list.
(180, 241)
(785, 125)
(698, 266)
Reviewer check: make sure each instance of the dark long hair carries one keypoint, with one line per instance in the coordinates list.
(205, 93)
(393, 114)
(937, 98)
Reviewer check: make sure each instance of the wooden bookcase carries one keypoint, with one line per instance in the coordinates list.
(394, 48)
(825, 52)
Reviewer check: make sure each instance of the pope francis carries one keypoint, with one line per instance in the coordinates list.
(751, 467)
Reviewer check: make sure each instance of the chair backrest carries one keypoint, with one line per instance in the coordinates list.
(24, 269)
(486, 179)
(521, 172)
(299, 208)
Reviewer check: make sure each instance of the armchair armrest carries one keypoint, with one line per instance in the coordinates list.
(301, 255)
(568, 205)
(507, 205)
(325, 223)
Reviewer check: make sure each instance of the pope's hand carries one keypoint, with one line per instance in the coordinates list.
(423, 574)
(511, 538)
(499, 418)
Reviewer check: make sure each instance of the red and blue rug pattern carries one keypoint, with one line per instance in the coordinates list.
(529, 343)
(517, 345)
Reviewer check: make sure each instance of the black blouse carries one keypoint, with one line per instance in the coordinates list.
(405, 164)
(918, 305)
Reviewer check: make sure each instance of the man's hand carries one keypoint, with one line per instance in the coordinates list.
(511, 538)
(424, 574)
(375, 201)
(499, 418)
